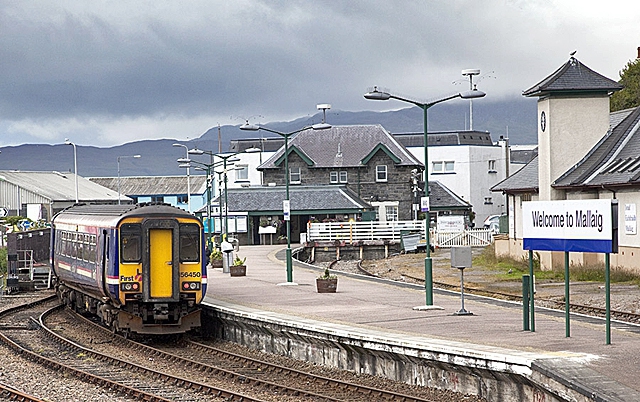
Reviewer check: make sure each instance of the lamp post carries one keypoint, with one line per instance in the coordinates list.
(225, 158)
(378, 95)
(186, 163)
(186, 148)
(119, 157)
(286, 204)
(75, 164)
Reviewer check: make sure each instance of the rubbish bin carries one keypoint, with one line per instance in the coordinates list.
(227, 256)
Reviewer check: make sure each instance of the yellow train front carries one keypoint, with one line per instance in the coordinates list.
(140, 268)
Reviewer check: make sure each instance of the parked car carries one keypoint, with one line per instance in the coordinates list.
(493, 222)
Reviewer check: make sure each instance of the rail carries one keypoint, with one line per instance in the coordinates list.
(393, 230)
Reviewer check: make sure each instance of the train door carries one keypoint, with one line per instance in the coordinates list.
(161, 263)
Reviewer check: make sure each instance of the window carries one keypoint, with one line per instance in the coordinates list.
(157, 198)
(381, 173)
(448, 166)
(488, 200)
(343, 176)
(333, 177)
(391, 212)
(189, 243)
(440, 167)
(183, 199)
(492, 166)
(242, 172)
(131, 242)
(295, 176)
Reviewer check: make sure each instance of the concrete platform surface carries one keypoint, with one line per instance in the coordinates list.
(495, 329)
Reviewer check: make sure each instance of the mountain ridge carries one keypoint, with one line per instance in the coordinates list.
(513, 118)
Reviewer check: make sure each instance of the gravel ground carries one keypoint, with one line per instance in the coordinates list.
(33, 379)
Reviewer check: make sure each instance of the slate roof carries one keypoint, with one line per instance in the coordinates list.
(58, 186)
(613, 161)
(441, 138)
(304, 199)
(342, 146)
(154, 185)
(522, 156)
(441, 198)
(573, 76)
(524, 180)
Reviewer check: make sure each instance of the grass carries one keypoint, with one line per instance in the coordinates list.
(510, 269)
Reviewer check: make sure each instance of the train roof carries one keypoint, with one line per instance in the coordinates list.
(110, 214)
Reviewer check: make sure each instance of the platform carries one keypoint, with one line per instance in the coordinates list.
(379, 309)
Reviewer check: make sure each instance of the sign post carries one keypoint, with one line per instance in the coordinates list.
(572, 226)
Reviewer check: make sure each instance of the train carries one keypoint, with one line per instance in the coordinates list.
(140, 268)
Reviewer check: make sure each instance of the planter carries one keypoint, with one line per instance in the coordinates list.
(238, 270)
(216, 264)
(327, 285)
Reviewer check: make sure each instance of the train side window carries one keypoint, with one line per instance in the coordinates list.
(131, 242)
(189, 243)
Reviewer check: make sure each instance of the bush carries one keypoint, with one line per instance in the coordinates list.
(3, 261)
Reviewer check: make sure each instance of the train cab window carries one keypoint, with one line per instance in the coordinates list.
(131, 242)
(189, 243)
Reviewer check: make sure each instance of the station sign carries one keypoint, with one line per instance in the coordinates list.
(571, 225)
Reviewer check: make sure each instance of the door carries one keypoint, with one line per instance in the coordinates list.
(160, 263)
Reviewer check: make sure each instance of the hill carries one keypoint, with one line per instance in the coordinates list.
(515, 118)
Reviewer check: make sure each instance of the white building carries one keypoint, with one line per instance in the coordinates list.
(466, 162)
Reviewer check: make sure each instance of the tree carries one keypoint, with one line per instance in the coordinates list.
(629, 96)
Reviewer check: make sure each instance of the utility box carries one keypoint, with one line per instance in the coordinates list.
(461, 257)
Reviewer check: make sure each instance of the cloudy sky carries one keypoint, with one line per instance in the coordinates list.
(109, 72)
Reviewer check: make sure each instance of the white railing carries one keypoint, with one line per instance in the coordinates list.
(392, 230)
(355, 231)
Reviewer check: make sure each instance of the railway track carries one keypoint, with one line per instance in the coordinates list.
(8, 393)
(41, 344)
(196, 359)
(624, 316)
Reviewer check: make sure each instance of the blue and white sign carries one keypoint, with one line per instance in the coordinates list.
(570, 225)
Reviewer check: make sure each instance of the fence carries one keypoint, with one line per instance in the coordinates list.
(393, 230)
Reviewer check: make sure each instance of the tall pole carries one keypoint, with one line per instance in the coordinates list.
(286, 203)
(118, 180)
(287, 216)
(226, 212)
(188, 176)
(75, 164)
(124, 156)
(379, 95)
(428, 263)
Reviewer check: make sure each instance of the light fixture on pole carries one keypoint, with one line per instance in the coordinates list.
(75, 164)
(470, 72)
(119, 157)
(186, 163)
(188, 178)
(379, 95)
(286, 206)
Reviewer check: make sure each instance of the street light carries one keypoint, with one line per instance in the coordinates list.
(186, 163)
(188, 178)
(378, 95)
(286, 206)
(225, 158)
(119, 157)
(75, 164)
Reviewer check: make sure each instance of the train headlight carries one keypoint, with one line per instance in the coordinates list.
(191, 285)
(129, 286)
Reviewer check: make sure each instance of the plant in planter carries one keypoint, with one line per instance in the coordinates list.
(238, 267)
(216, 258)
(327, 283)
